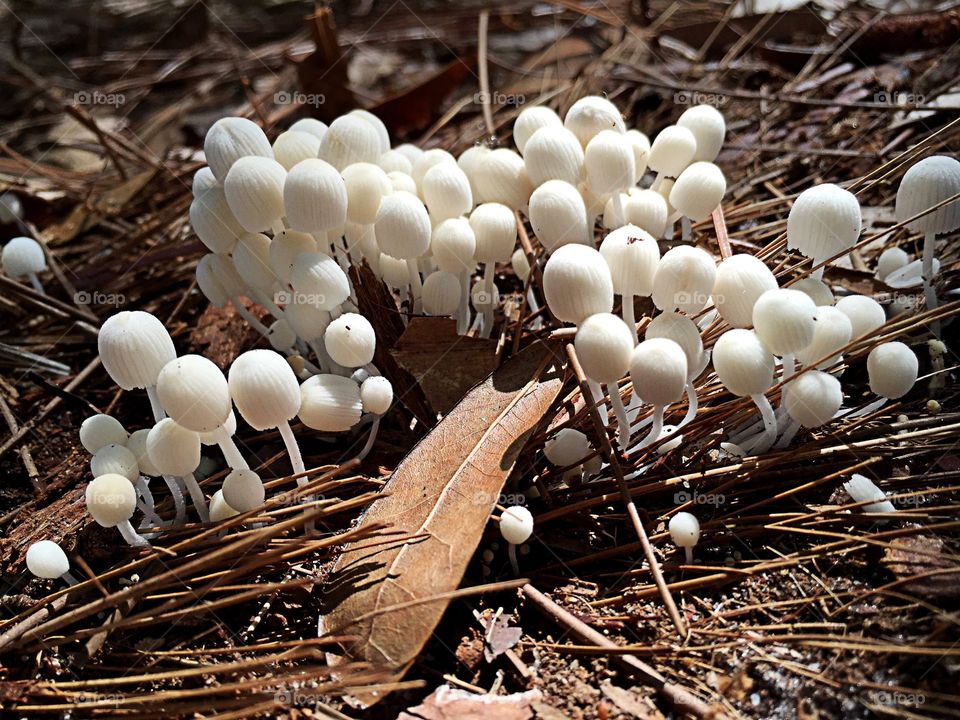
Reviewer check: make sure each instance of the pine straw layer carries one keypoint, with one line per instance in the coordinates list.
(795, 593)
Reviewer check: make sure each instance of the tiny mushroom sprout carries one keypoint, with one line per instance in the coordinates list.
(577, 283)
(892, 372)
(745, 367)
(441, 293)
(351, 341)
(243, 491)
(604, 345)
(495, 230)
(591, 115)
(708, 127)
(23, 257)
(330, 403)
(685, 532)
(865, 314)
(671, 152)
(930, 182)
(697, 193)
(111, 501)
(11, 209)
(891, 260)
(230, 139)
(314, 197)
(47, 560)
(741, 280)
(376, 397)
(658, 369)
(558, 215)
(832, 331)
(632, 256)
(824, 221)
(254, 191)
(119, 460)
(811, 400)
(134, 347)
(175, 452)
(862, 489)
(785, 321)
(569, 448)
(220, 510)
(403, 232)
(529, 121)
(349, 139)
(553, 153)
(516, 527)
(684, 279)
(100, 430)
(610, 167)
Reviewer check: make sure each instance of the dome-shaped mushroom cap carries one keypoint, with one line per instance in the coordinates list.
(741, 280)
(134, 346)
(320, 280)
(557, 215)
(632, 255)
(453, 245)
(313, 126)
(553, 153)
(137, 444)
(230, 427)
(502, 177)
(577, 283)
(218, 279)
(350, 340)
(604, 345)
(816, 290)
(203, 179)
(46, 559)
(251, 260)
(529, 121)
(743, 364)
(350, 139)
(115, 459)
(784, 320)
(516, 524)
(609, 162)
(568, 447)
(194, 392)
(11, 209)
(403, 226)
(495, 229)
(447, 192)
(591, 115)
(672, 151)
(376, 394)
(305, 319)
(892, 369)
(812, 398)
(685, 333)
(22, 256)
(441, 293)
(925, 184)
(264, 389)
(110, 499)
(658, 369)
(824, 220)
(284, 250)
(520, 264)
(684, 530)
(219, 509)
(395, 272)
(382, 133)
(230, 139)
(100, 430)
(254, 190)
(243, 490)
(647, 209)
(708, 127)
(699, 190)
(292, 146)
(213, 221)
(893, 258)
(172, 448)
(832, 331)
(395, 161)
(402, 181)
(865, 313)
(410, 151)
(330, 403)
(366, 185)
(315, 197)
(427, 160)
(684, 279)
(470, 161)
(640, 144)
(281, 336)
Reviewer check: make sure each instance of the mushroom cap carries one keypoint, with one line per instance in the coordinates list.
(640, 144)
(520, 264)
(865, 313)
(673, 149)
(708, 127)
(395, 161)
(382, 133)
(110, 499)
(470, 161)
(742, 363)
(425, 161)
(116, 459)
(553, 153)
(173, 449)
(218, 279)
(319, 280)
(243, 490)
(219, 509)
(281, 336)
(366, 185)
(817, 290)
(137, 444)
(604, 345)
(684, 530)
(447, 192)
(832, 331)
(230, 139)
(314, 197)
(11, 209)
(558, 215)
(330, 403)
(860, 489)
(516, 524)
(349, 139)
(684, 279)
(254, 190)
(590, 115)
(194, 392)
(892, 369)
(203, 179)
(647, 209)
(483, 299)
(350, 340)
(495, 229)
(376, 394)
(403, 226)
(824, 220)
(658, 369)
(306, 319)
(264, 389)
(284, 249)
(784, 320)
(812, 398)
(685, 333)
(530, 120)
(441, 293)
(609, 162)
(411, 151)
(100, 430)
(568, 447)
(310, 125)
(741, 280)
(292, 146)
(893, 258)
(251, 260)
(925, 184)
(47, 560)
(502, 177)
(699, 190)
(632, 255)
(23, 256)
(577, 283)
(134, 346)
(453, 245)
(402, 181)
(213, 221)
(230, 427)
(395, 272)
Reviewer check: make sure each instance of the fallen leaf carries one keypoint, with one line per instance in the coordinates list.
(323, 73)
(447, 703)
(416, 107)
(630, 703)
(439, 498)
(500, 636)
(909, 557)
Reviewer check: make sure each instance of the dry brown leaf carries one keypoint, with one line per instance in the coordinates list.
(446, 703)
(921, 563)
(440, 498)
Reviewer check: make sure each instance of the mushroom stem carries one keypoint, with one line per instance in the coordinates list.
(155, 406)
(623, 424)
(818, 273)
(596, 398)
(177, 493)
(657, 181)
(686, 228)
(788, 369)
(277, 227)
(618, 210)
(197, 496)
(769, 435)
(416, 285)
(251, 320)
(691, 406)
(229, 449)
(146, 503)
(655, 429)
(627, 313)
(791, 432)
(865, 410)
(488, 271)
(267, 302)
(371, 438)
(131, 536)
(69, 579)
(35, 282)
(929, 292)
(463, 312)
(688, 552)
(512, 554)
(293, 450)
